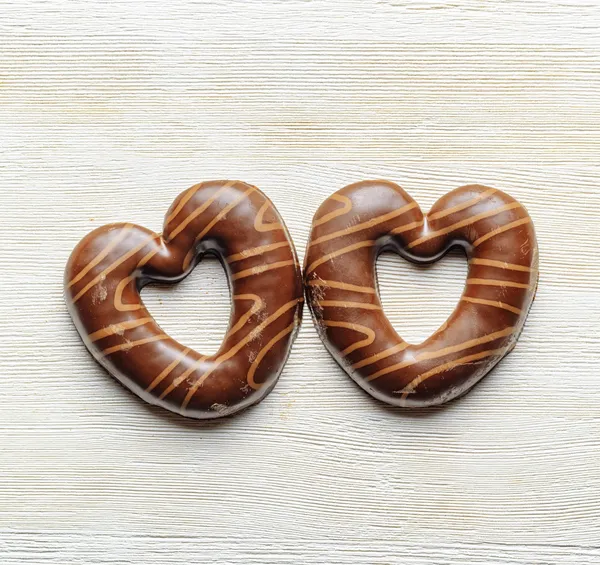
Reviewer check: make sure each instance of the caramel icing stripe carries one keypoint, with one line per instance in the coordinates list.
(453, 209)
(501, 229)
(128, 345)
(118, 303)
(497, 282)
(197, 211)
(466, 222)
(260, 225)
(342, 286)
(113, 266)
(365, 225)
(176, 382)
(264, 351)
(146, 258)
(493, 303)
(382, 355)
(118, 328)
(347, 206)
(168, 369)
(262, 249)
(501, 265)
(338, 252)
(256, 307)
(469, 344)
(213, 222)
(407, 227)
(357, 328)
(123, 233)
(347, 304)
(187, 196)
(261, 269)
(410, 388)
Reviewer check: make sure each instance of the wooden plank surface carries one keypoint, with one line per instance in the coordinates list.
(109, 109)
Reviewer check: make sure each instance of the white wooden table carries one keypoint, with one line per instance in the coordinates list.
(110, 109)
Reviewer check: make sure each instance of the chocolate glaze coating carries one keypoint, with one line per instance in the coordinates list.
(357, 223)
(240, 225)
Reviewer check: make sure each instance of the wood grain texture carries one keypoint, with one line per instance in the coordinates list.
(109, 110)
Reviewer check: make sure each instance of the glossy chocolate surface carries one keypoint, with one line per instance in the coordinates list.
(240, 225)
(356, 223)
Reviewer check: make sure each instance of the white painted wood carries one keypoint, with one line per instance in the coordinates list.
(110, 109)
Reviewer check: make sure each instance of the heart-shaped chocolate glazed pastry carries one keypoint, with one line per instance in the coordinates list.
(357, 223)
(240, 225)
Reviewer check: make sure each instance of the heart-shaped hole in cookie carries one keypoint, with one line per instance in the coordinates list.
(419, 299)
(196, 310)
